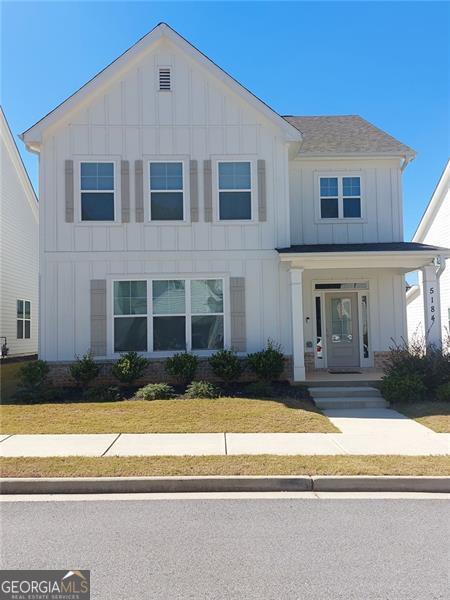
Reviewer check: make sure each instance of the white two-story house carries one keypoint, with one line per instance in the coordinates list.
(179, 211)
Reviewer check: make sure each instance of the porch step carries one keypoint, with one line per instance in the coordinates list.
(347, 397)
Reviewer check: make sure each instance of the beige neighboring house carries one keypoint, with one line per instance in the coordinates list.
(434, 228)
(19, 256)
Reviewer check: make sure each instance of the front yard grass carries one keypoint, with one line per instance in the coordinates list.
(238, 415)
(435, 415)
(223, 465)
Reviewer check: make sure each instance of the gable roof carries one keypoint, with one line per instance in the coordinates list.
(32, 136)
(14, 155)
(346, 134)
(433, 205)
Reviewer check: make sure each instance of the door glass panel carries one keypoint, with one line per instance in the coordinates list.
(341, 320)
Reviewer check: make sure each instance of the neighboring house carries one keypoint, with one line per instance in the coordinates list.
(19, 254)
(434, 228)
(179, 211)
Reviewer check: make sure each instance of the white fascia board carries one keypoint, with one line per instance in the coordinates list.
(33, 136)
(433, 205)
(412, 293)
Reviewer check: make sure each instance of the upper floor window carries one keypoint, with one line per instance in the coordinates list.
(23, 319)
(166, 191)
(97, 191)
(340, 197)
(235, 191)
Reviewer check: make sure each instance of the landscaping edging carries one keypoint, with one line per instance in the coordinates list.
(319, 483)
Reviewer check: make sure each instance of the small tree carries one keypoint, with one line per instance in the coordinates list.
(182, 366)
(129, 367)
(268, 364)
(226, 365)
(84, 371)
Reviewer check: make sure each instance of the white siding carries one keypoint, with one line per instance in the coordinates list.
(381, 202)
(18, 247)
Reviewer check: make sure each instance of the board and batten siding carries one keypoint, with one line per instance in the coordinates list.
(19, 270)
(381, 202)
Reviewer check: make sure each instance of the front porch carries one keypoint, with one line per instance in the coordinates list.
(348, 306)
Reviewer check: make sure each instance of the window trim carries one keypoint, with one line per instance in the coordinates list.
(253, 190)
(115, 191)
(23, 319)
(183, 190)
(340, 218)
(187, 278)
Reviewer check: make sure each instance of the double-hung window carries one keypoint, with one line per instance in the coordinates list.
(340, 197)
(235, 191)
(23, 319)
(166, 191)
(97, 191)
(130, 316)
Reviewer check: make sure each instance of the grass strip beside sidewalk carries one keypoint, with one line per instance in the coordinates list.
(434, 415)
(223, 465)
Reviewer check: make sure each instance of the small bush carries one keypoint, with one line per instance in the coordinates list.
(155, 391)
(103, 393)
(268, 364)
(226, 366)
(397, 387)
(129, 367)
(84, 370)
(443, 392)
(202, 389)
(182, 366)
(258, 389)
(34, 385)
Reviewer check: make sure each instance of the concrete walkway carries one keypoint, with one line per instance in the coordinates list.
(364, 431)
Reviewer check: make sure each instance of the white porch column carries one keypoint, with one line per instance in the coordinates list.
(431, 306)
(298, 343)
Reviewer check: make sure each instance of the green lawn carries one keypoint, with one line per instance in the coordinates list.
(223, 465)
(239, 415)
(435, 415)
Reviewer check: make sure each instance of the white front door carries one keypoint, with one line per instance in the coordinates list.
(342, 329)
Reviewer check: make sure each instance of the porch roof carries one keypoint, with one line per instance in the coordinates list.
(406, 256)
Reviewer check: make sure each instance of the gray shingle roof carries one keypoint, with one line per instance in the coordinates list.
(347, 134)
(367, 247)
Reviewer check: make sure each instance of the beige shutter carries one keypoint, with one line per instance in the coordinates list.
(98, 317)
(262, 199)
(69, 190)
(237, 312)
(139, 190)
(125, 190)
(193, 190)
(207, 190)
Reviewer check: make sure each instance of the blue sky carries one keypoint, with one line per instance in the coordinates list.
(387, 61)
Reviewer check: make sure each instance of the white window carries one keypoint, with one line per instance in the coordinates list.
(340, 197)
(166, 191)
(97, 191)
(179, 314)
(235, 191)
(165, 83)
(23, 319)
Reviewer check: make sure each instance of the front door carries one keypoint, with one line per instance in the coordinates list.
(342, 329)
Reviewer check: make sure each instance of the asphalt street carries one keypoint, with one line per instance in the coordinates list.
(237, 548)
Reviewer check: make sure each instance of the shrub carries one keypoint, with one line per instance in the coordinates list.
(182, 366)
(443, 392)
(259, 389)
(103, 393)
(34, 385)
(129, 367)
(226, 365)
(84, 370)
(155, 391)
(398, 387)
(202, 389)
(268, 364)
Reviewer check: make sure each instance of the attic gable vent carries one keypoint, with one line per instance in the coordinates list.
(164, 79)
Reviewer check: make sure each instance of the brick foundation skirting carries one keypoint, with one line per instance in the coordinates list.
(380, 358)
(155, 373)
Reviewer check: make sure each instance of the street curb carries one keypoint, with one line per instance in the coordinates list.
(116, 485)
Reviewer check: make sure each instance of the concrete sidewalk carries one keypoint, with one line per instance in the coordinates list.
(364, 431)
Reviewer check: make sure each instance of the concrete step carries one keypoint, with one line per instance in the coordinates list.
(350, 402)
(345, 392)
